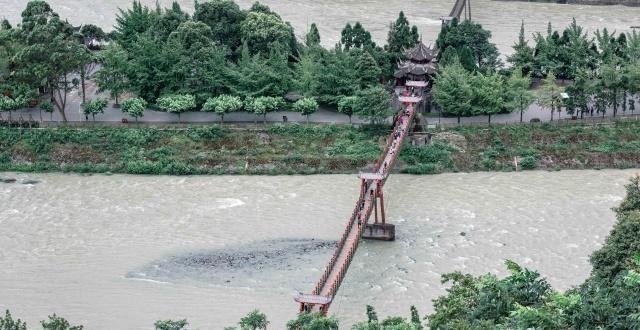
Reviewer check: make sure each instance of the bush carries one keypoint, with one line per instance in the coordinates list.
(528, 162)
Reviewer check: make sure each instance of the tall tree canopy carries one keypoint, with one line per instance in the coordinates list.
(224, 17)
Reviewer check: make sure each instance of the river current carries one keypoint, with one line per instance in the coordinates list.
(119, 252)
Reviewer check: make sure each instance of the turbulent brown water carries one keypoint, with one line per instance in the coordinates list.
(118, 252)
(502, 18)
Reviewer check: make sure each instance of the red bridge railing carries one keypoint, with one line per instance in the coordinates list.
(336, 269)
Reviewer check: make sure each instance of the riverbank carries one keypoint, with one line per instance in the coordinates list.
(322, 149)
(629, 3)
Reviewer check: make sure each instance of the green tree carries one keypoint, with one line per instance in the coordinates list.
(51, 54)
(453, 91)
(312, 321)
(133, 22)
(312, 38)
(401, 36)
(356, 37)
(171, 324)
(255, 76)
(112, 76)
(134, 107)
(487, 95)
(223, 104)
(11, 104)
(58, 323)
(522, 57)
(8, 323)
(611, 84)
(95, 106)
(471, 35)
(224, 17)
(367, 70)
(373, 104)
(550, 94)
(168, 21)
(518, 94)
(306, 106)
(46, 107)
(200, 66)
(621, 244)
(263, 32)
(177, 103)
(254, 321)
(347, 105)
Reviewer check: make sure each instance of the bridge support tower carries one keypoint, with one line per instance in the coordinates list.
(379, 230)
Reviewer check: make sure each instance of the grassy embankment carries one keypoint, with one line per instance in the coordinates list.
(301, 149)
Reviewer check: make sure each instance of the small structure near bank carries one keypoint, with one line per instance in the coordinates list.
(414, 75)
(420, 64)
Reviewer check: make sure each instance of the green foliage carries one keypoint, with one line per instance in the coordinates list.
(550, 94)
(356, 37)
(177, 103)
(528, 163)
(134, 107)
(94, 107)
(373, 104)
(58, 323)
(224, 18)
(347, 105)
(401, 36)
(306, 106)
(622, 244)
(256, 76)
(471, 35)
(517, 95)
(254, 321)
(453, 91)
(263, 32)
(312, 38)
(223, 104)
(112, 76)
(367, 70)
(8, 323)
(171, 324)
(523, 56)
(313, 321)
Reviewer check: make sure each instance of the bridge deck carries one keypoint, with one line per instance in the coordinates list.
(337, 267)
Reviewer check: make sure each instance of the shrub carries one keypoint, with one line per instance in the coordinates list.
(528, 162)
(134, 107)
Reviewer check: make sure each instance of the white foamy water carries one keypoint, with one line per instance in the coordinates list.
(119, 252)
(502, 18)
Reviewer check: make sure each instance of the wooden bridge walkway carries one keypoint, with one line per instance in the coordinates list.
(327, 286)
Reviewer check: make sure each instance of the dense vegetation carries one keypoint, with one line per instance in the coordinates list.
(176, 62)
(307, 149)
(608, 299)
(602, 72)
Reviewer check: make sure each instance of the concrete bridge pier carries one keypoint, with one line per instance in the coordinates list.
(379, 231)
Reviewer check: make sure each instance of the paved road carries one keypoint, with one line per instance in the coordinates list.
(74, 114)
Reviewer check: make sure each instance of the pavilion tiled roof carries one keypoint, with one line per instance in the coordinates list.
(417, 69)
(420, 53)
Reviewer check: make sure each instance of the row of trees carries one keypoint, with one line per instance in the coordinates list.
(602, 73)
(462, 93)
(165, 52)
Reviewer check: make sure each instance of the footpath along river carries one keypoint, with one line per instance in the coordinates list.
(119, 252)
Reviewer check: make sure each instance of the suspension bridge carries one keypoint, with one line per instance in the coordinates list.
(370, 199)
